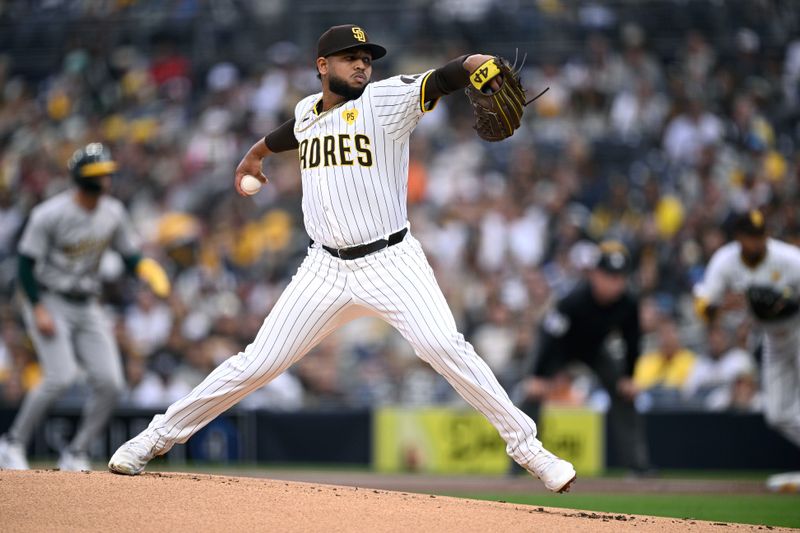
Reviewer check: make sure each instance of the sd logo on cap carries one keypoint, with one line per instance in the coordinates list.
(341, 38)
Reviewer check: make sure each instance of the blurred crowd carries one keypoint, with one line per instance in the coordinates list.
(656, 144)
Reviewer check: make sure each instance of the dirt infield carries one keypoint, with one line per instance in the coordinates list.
(48, 500)
(519, 484)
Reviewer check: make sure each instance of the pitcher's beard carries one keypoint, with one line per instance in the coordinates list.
(340, 87)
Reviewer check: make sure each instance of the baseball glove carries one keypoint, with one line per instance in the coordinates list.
(768, 303)
(498, 113)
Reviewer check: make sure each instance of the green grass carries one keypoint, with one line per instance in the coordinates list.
(764, 509)
(726, 475)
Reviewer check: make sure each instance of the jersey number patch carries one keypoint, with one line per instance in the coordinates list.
(484, 73)
(481, 74)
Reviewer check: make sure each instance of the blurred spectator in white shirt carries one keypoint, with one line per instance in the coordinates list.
(713, 378)
(639, 113)
(689, 132)
(151, 389)
(148, 322)
(284, 393)
(495, 339)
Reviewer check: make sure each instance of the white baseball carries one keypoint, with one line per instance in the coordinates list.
(250, 184)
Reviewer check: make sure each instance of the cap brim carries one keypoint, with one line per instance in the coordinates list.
(376, 50)
(98, 168)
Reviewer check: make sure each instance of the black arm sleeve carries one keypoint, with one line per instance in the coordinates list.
(27, 279)
(632, 334)
(447, 79)
(282, 138)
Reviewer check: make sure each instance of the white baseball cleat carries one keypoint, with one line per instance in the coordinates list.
(74, 462)
(131, 458)
(786, 482)
(12, 455)
(556, 474)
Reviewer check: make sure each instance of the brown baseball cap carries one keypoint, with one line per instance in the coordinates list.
(344, 37)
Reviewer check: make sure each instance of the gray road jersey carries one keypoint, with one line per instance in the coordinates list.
(68, 241)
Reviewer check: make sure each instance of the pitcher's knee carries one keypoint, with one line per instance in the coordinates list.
(445, 350)
(447, 346)
(436, 350)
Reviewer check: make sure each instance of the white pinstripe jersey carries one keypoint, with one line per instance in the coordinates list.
(354, 161)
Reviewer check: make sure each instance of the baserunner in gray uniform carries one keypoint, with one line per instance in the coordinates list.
(59, 254)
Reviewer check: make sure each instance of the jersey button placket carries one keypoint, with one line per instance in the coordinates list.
(327, 209)
(325, 195)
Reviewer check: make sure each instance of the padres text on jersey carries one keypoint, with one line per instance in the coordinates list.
(329, 150)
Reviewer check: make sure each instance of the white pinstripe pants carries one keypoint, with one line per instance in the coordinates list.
(396, 284)
(781, 379)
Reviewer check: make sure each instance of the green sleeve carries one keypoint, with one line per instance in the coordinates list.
(131, 261)
(27, 279)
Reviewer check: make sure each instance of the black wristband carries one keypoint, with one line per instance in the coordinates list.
(447, 79)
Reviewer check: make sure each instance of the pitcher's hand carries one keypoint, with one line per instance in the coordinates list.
(250, 164)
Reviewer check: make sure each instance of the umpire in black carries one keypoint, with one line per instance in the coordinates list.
(576, 329)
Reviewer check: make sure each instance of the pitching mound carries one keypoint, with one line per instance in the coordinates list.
(48, 500)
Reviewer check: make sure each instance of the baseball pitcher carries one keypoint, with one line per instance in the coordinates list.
(59, 254)
(352, 144)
